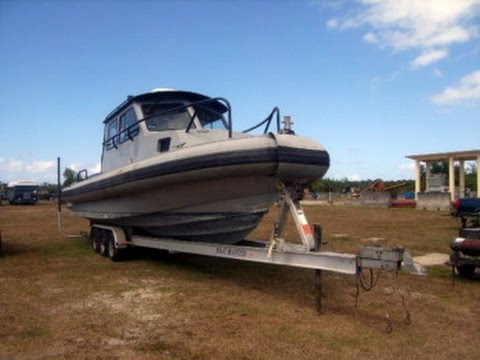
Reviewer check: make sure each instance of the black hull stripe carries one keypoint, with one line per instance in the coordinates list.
(303, 157)
(243, 157)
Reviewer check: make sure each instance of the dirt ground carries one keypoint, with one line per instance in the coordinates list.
(60, 300)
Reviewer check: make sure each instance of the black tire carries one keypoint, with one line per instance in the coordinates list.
(95, 240)
(113, 252)
(103, 241)
(466, 271)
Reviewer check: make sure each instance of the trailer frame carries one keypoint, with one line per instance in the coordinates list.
(114, 241)
(276, 251)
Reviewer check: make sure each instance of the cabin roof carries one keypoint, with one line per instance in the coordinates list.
(165, 95)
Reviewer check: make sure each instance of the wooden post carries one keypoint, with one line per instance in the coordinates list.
(317, 236)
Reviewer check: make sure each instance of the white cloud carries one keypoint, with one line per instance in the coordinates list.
(13, 169)
(332, 23)
(95, 169)
(38, 167)
(10, 165)
(467, 89)
(407, 166)
(427, 25)
(438, 73)
(370, 38)
(428, 57)
(38, 170)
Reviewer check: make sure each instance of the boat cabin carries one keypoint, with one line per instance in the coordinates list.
(162, 121)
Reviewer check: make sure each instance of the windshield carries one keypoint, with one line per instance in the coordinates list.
(175, 116)
(161, 119)
(210, 119)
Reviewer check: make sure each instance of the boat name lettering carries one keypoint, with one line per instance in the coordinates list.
(224, 250)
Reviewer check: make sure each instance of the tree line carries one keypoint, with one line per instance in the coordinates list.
(342, 185)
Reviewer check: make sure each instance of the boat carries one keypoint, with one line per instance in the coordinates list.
(173, 167)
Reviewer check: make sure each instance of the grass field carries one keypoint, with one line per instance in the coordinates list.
(60, 300)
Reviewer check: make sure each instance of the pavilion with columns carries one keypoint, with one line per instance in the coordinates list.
(451, 158)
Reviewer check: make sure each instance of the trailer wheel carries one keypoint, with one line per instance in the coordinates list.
(95, 240)
(466, 270)
(113, 252)
(103, 241)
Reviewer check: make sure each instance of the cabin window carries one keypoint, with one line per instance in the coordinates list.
(111, 131)
(164, 144)
(171, 116)
(112, 128)
(127, 120)
(211, 119)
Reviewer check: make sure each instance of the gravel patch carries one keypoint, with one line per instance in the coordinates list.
(432, 259)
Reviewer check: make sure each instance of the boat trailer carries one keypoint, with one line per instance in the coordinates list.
(114, 241)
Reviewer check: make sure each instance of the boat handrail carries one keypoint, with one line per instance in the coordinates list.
(79, 177)
(131, 131)
(267, 121)
(112, 140)
(202, 102)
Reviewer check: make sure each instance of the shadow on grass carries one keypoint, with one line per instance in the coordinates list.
(445, 272)
(293, 285)
(9, 249)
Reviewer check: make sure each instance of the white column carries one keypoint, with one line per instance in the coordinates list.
(451, 178)
(428, 173)
(461, 173)
(418, 178)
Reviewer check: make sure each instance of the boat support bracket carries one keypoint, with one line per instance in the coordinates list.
(368, 259)
(287, 204)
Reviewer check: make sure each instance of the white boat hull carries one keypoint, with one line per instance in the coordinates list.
(217, 192)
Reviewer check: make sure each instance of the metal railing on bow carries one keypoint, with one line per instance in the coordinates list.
(275, 112)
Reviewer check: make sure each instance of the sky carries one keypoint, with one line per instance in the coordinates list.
(371, 80)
